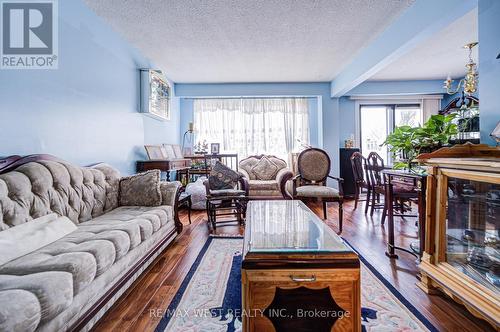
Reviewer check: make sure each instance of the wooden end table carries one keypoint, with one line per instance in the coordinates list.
(185, 200)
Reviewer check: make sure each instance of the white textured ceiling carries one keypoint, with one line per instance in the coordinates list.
(249, 40)
(436, 58)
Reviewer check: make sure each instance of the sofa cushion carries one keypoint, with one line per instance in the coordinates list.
(265, 169)
(317, 191)
(148, 219)
(53, 291)
(263, 185)
(28, 237)
(22, 314)
(80, 266)
(222, 177)
(141, 189)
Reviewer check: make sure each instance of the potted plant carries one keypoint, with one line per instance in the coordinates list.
(406, 142)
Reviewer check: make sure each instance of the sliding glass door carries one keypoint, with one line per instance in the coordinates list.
(377, 121)
(374, 129)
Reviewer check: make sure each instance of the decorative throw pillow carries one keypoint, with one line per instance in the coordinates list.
(222, 177)
(141, 189)
(30, 236)
(265, 169)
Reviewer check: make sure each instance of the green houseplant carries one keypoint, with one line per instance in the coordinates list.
(406, 142)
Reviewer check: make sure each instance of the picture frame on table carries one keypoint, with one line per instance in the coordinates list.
(214, 148)
(177, 151)
(169, 150)
(155, 152)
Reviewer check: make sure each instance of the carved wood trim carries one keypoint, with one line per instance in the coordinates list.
(457, 103)
(467, 150)
(12, 162)
(5, 162)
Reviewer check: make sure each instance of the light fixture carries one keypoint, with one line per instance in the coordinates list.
(469, 82)
(190, 130)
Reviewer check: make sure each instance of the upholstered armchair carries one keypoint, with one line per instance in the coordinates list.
(267, 176)
(314, 170)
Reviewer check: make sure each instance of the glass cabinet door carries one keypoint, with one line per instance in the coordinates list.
(472, 230)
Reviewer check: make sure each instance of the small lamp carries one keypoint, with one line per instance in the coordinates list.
(495, 134)
(190, 130)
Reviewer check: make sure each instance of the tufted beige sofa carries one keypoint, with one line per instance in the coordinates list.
(267, 176)
(70, 283)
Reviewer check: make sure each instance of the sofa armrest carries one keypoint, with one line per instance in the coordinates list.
(170, 192)
(283, 176)
(244, 173)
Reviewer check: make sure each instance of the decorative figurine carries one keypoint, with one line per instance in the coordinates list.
(468, 235)
(493, 275)
(478, 258)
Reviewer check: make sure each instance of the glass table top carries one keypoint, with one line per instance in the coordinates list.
(289, 227)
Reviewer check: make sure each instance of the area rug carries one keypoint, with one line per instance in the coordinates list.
(209, 298)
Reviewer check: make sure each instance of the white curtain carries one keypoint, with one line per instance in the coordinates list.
(250, 126)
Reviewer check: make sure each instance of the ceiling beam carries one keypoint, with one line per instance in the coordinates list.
(419, 22)
(384, 88)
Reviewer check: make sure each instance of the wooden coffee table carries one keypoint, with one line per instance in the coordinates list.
(297, 274)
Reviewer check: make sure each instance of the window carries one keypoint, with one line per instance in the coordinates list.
(251, 126)
(377, 121)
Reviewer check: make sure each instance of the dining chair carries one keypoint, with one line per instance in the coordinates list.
(310, 183)
(374, 164)
(360, 183)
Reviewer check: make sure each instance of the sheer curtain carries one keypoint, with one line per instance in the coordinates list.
(251, 126)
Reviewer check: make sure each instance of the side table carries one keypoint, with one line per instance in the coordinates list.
(185, 200)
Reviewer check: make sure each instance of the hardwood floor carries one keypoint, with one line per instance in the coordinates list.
(140, 309)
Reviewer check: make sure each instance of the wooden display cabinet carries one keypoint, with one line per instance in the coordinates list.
(462, 241)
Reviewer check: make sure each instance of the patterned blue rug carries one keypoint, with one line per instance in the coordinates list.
(209, 298)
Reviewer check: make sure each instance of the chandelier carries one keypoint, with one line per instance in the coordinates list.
(469, 82)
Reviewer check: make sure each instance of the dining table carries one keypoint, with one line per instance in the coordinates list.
(414, 185)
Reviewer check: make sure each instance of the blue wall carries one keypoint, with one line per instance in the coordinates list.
(489, 67)
(87, 110)
(347, 115)
(326, 126)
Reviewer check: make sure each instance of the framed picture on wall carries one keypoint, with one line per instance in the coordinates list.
(214, 148)
(155, 94)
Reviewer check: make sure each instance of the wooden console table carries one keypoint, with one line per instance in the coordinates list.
(166, 166)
